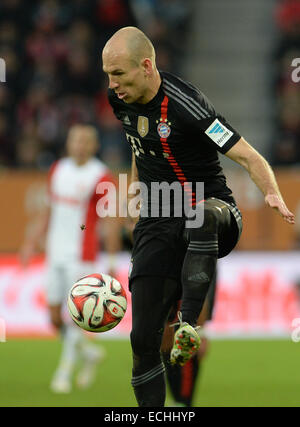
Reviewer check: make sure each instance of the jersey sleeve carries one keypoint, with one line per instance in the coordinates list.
(218, 132)
(202, 121)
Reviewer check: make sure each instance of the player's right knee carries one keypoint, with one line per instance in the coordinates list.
(210, 222)
(204, 240)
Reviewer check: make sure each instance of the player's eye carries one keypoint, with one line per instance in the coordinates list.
(118, 73)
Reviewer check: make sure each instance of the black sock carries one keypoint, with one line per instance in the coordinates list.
(152, 298)
(197, 273)
(150, 387)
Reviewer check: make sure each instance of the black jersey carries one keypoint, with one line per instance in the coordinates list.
(176, 137)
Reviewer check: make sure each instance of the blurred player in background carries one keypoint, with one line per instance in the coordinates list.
(70, 224)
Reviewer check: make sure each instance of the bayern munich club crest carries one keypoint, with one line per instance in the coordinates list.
(164, 130)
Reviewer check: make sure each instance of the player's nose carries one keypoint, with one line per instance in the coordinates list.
(113, 84)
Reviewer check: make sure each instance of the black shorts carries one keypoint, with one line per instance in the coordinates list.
(159, 248)
(159, 245)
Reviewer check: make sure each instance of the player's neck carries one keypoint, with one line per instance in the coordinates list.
(80, 162)
(153, 89)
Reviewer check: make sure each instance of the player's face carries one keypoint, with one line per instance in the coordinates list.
(127, 79)
(81, 146)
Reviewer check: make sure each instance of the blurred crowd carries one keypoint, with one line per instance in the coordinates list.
(286, 144)
(52, 51)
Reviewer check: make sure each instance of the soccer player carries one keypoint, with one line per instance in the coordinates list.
(70, 223)
(175, 135)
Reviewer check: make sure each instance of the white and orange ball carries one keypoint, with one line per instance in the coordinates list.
(97, 302)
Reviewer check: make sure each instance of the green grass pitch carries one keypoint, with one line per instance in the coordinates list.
(235, 373)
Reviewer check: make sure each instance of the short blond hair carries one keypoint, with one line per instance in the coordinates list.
(136, 43)
(140, 47)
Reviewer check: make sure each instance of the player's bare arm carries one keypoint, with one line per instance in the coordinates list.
(133, 178)
(262, 175)
(33, 240)
(134, 172)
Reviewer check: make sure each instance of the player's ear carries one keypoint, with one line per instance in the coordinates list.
(147, 66)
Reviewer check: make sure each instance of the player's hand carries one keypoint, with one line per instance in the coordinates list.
(275, 202)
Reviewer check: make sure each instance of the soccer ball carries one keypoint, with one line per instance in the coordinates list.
(97, 302)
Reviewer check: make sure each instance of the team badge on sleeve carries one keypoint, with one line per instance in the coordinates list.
(218, 133)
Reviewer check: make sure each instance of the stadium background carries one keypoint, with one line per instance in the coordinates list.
(240, 55)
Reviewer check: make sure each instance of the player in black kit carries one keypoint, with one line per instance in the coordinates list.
(175, 135)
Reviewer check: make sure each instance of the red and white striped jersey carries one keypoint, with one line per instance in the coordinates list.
(73, 200)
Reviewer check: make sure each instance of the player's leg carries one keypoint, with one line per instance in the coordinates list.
(200, 261)
(77, 347)
(215, 238)
(152, 298)
(59, 280)
(62, 379)
(60, 382)
(182, 380)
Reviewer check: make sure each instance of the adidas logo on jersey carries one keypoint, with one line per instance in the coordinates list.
(126, 120)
